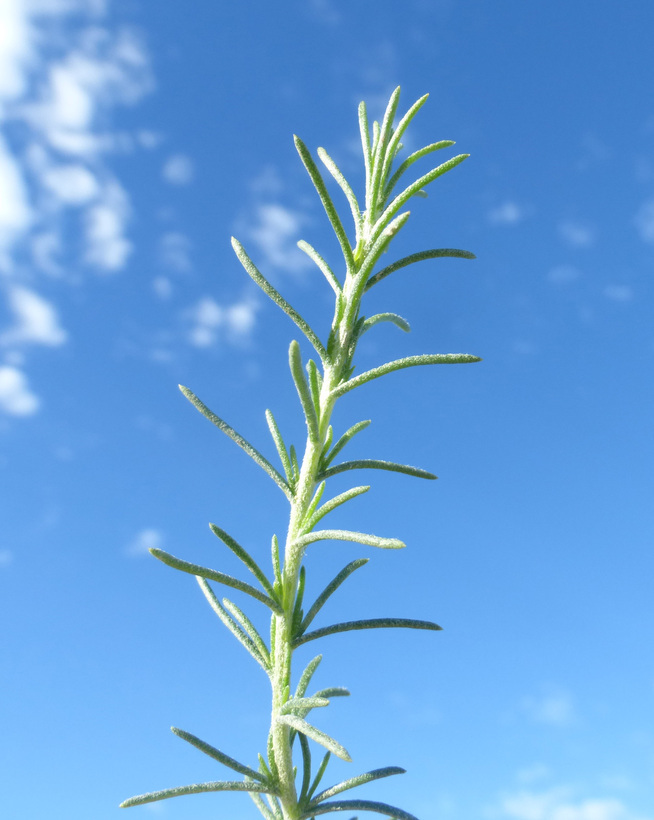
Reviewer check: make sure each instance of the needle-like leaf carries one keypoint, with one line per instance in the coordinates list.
(370, 623)
(363, 805)
(374, 464)
(349, 535)
(306, 676)
(311, 732)
(244, 556)
(328, 506)
(297, 371)
(214, 575)
(359, 780)
(196, 788)
(250, 630)
(393, 318)
(326, 200)
(343, 440)
(329, 274)
(428, 149)
(344, 185)
(330, 589)
(263, 659)
(400, 364)
(281, 447)
(221, 757)
(254, 454)
(277, 298)
(436, 253)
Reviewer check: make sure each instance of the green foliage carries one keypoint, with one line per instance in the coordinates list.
(291, 795)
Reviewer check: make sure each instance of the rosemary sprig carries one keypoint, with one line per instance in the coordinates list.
(291, 795)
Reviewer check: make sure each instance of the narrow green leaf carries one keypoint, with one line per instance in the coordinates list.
(262, 659)
(297, 609)
(398, 321)
(428, 149)
(195, 788)
(365, 144)
(281, 447)
(244, 556)
(381, 239)
(250, 630)
(349, 535)
(363, 805)
(436, 253)
(330, 589)
(329, 274)
(343, 440)
(306, 768)
(214, 575)
(245, 445)
(328, 205)
(394, 145)
(221, 757)
(400, 364)
(382, 144)
(314, 502)
(294, 704)
(315, 385)
(265, 811)
(275, 559)
(311, 732)
(297, 371)
(333, 692)
(294, 463)
(319, 774)
(277, 298)
(306, 676)
(402, 199)
(374, 464)
(335, 502)
(344, 185)
(353, 782)
(370, 623)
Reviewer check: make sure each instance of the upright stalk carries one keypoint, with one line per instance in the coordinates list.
(319, 386)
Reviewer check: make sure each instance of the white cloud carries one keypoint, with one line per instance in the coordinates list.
(71, 184)
(619, 293)
(162, 287)
(645, 221)
(558, 804)
(144, 541)
(16, 398)
(107, 246)
(6, 558)
(208, 320)
(35, 321)
(276, 231)
(178, 170)
(508, 213)
(55, 109)
(577, 234)
(174, 251)
(563, 274)
(554, 708)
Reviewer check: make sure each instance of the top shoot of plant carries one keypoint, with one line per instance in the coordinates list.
(295, 792)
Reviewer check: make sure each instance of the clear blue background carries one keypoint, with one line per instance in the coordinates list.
(534, 548)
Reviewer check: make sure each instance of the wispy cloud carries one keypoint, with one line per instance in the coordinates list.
(507, 213)
(54, 108)
(554, 708)
(178, 170)
(619, 293)
(275, 230)
(645, 221)
(35, 321)
(144, 541)
(563, 274)
(577, 234)
(6, 558)
(559, 804)
(209, 321)
(16, 398)
(175, 251)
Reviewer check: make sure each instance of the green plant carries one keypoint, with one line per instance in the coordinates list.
(319, 383)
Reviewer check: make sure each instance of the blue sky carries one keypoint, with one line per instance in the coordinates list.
(136, 138)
